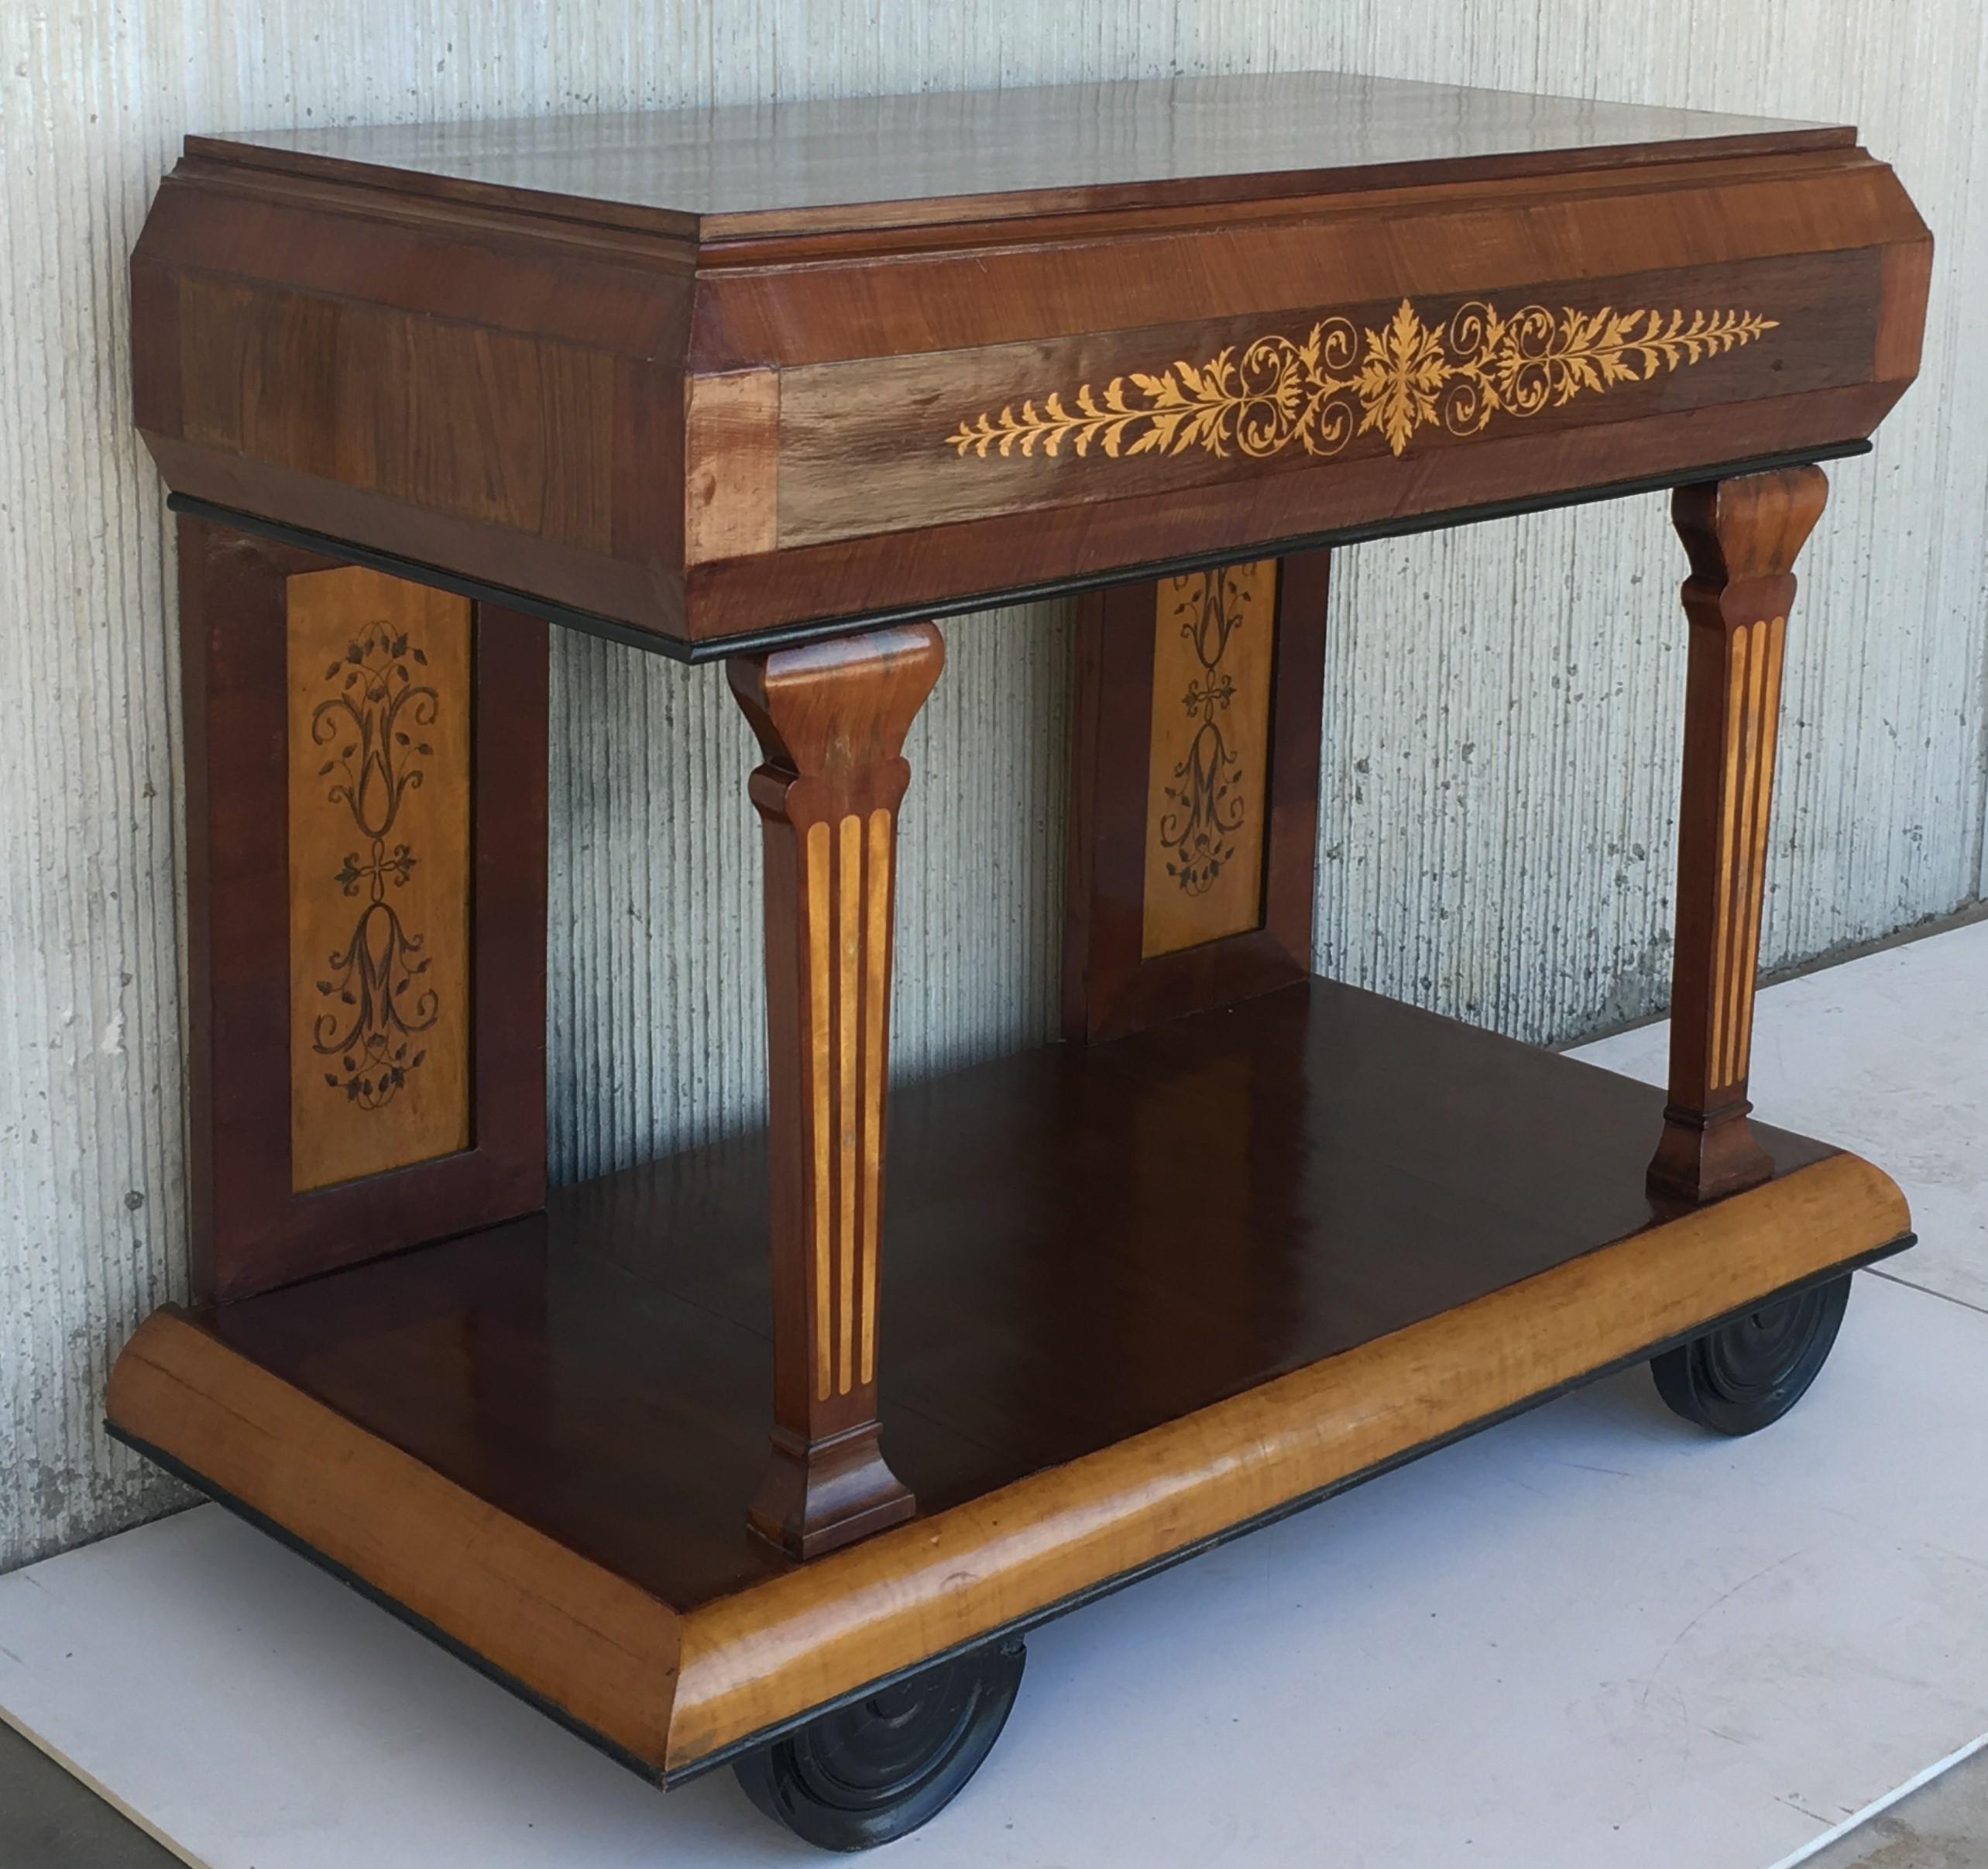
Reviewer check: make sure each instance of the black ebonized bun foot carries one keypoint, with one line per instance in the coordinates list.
(874, 1772)
(1744, 1375)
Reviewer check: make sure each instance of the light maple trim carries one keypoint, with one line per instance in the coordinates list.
(599, 1648)
(1767, 738)
(1728, 819)
(819, 1079)
(856, 1615)
(673, 1688)
(848, 1115)
(876, 1002)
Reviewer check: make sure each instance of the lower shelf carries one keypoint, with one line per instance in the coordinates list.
(1135, 1297)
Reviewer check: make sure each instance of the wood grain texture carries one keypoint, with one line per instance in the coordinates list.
(260, 379)
(1743, 537)
(831, 720)
(754, 1659)
(1138, 947)
(867, 162)
(1207, 779)
(288, 1404)
(379, 781)
(597, 1648)
(731, 495)
(253, 1011)
(1081, 1243)
(874, 419)
(1360, 383)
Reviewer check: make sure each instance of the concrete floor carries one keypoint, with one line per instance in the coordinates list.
(49, 1820)
(1942, 1825)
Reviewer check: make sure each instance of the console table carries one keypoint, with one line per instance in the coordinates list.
(769, 1452)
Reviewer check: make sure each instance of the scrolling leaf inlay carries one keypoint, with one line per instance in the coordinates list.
(1317, 394)
(1204, 805)
(379, 1003)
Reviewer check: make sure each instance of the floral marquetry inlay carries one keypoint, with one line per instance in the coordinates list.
(1213, 651)
(378, 838)
(374, 725)
(1317, 393)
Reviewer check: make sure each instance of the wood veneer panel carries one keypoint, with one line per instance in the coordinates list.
(1113, 414)
(1142, 942)
(881, 162)
(379, 752)
(480, 424)
(258, 1219)
(600, 1651)
(1214, 641)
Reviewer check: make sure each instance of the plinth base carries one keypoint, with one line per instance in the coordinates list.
(1137, 1297)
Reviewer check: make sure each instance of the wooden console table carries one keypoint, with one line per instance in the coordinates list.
(781, 385)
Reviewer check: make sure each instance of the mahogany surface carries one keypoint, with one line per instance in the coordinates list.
(841, 164)
(1081, 1242)
(1743, 537)
(698, 378)
(830, 719)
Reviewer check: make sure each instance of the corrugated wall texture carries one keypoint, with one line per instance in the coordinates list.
(1502, 706)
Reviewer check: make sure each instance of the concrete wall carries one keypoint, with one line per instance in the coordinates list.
(1502, 705)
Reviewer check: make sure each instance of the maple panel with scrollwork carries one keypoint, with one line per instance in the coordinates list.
(1208, 760)
(378, 818)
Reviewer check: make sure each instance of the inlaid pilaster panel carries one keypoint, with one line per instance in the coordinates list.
(831, 719)
(366, 797)
(379, 752)
(1193, 792)
(1208, 765)
(1743, 537)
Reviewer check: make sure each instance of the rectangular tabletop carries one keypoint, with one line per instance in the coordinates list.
(845, 164)
(705, 378)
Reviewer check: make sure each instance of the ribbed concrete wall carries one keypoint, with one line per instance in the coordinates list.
(1502, 706)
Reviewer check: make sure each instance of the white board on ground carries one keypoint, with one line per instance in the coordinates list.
(1886, 1055)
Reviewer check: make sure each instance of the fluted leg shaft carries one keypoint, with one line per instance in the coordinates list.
(831, 719)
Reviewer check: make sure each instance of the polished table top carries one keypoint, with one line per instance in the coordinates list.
(707, 379)
(866, 163)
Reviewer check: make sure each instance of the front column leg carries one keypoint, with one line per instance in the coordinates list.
(831, 719)
(1743, 537)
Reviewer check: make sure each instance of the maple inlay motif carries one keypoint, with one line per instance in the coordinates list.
(378, 1002)
(1319, 392)
(1204, 804)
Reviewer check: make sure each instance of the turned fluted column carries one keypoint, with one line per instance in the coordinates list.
(830, 719)
(1743, 537)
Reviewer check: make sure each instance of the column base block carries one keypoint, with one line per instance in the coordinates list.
(1703, 1157)
(817, 1497)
